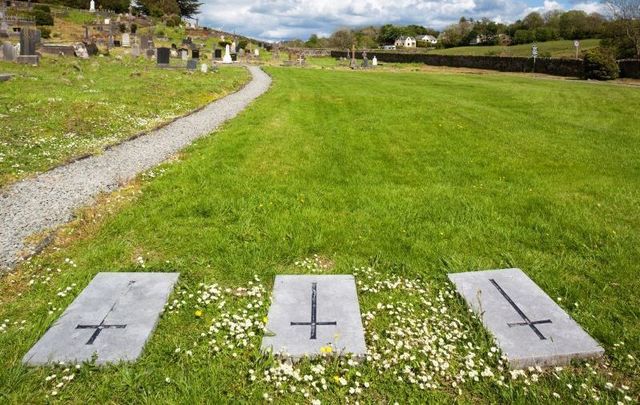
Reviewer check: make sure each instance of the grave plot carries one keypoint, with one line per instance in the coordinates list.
(310, 315)
(530, 328)
(112, 319)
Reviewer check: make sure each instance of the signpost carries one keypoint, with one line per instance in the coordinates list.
(576, 44)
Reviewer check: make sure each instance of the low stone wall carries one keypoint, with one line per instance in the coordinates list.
(550, 66)
(629, 68)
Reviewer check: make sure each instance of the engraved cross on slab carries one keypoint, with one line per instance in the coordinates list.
(110, 321)
(527, 321)
(333, 313)
(494, 295)
(99, 328)
(314, 309)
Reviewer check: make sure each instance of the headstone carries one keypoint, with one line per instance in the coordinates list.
(92, 6)
(92, 48)
(217, 54)
(29, 38)
(195, 54)
(126, 40)
(135, 50)
(309, 313)
(174, 53)
(192, 64)
(145, 42)
(184, 54)
(162, 58)
(80, 51)
(111, 319)
(227, 55)
(204, 68)
(5, 77)
(365, 60)
(150, 53)
(256, 52)
(4, 29)
(117, 43)
(8, 52)
(107, 21)
(529, 327)
(374, 61)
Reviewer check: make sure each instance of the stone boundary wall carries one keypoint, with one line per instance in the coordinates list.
(550, 66)
(629, 68)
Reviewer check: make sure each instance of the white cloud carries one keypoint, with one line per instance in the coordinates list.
(285, 19)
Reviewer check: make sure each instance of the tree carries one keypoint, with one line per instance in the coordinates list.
(533, 21)
(627, 12)
(189, 8)
(312, 42)
(342, 39)
(158, 8)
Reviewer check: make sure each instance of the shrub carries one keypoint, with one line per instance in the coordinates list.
(42, 17)
(45, 32)
(42, 7)
(134, 28)
(600, 64)
(122, 27)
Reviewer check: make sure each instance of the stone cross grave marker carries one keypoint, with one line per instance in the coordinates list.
(311, 312)
(529, 327)
(112, 319)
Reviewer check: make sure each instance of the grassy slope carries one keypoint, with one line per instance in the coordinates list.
(420, 174)
(556, 49)
(66, 108)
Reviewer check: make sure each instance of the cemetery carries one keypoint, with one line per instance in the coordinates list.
(190, 215)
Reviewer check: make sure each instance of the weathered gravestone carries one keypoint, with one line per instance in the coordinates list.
(150, 53)
(195, 54)
(162, 59)
(217, 54)
(529, 327)
(374, 61)
(29, 39)
(92, 48)
(192, 64)
(204, 68)
(309, 313)
(365, 60)
(80, 50)
(126, 40)
(5, 77)
(111, 319)
(184, 54)
(8, 52)
(135, 50)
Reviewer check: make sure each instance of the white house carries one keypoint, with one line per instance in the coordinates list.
(406, 42)
(427, 38)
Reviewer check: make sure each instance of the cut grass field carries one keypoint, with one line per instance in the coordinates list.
(554, 49)
(414, 175)
(68, 108)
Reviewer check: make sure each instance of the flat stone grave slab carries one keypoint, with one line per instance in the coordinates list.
(529, 327)
(112, 319)
(5, 76)
(309, 312)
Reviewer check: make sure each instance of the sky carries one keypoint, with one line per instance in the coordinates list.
(273, 20)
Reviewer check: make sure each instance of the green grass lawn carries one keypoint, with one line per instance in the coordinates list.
(397, 177)
(555, 49)
(68, 108)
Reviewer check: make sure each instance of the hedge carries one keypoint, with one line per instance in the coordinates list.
(550, 66)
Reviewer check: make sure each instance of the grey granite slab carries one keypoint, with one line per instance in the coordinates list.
(314, 311)
(529, 327)
(111, 319)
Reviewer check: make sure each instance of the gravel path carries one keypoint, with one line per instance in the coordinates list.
(51, 198)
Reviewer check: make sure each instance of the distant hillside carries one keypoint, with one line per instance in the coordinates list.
(556, 49)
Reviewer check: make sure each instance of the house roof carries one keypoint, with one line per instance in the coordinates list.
(403, 38)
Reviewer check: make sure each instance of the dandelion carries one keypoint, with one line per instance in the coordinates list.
(198, 314)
